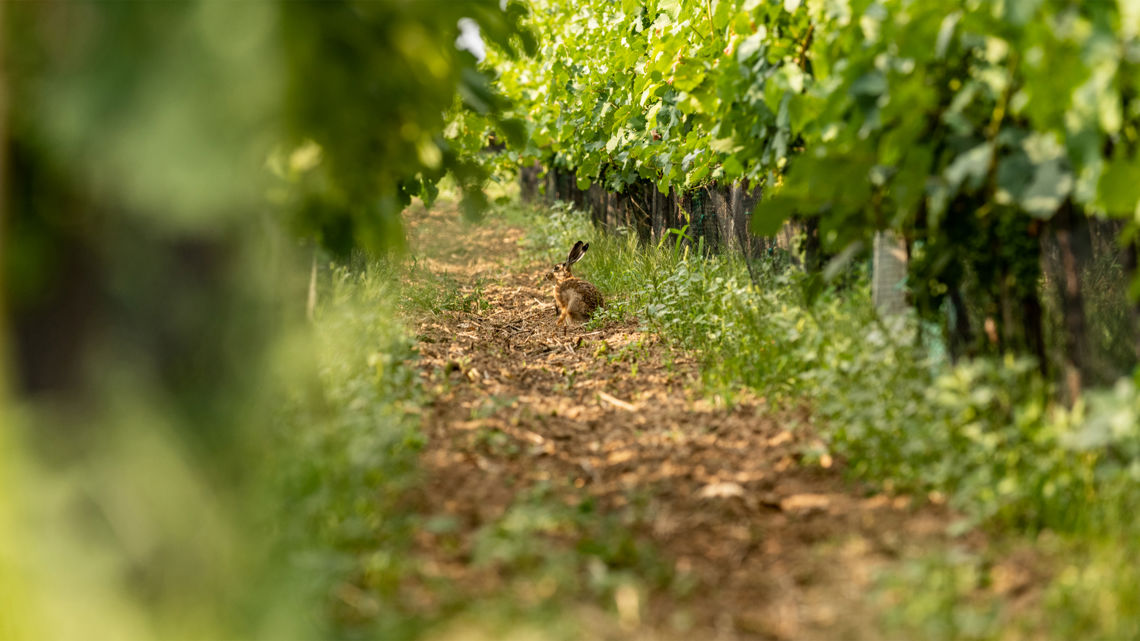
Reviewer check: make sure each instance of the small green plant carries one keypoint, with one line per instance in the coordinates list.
(348, 444)
(603, 556)
(491, 406)
(426, 291)
(940, 597)
(497, 443)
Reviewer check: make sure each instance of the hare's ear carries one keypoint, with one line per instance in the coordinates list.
(578, 252)
(575, 253)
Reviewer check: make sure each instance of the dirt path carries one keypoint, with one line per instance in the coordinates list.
(771, 548)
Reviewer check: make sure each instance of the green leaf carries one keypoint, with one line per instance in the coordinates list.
(1052, 183)
(742, 23)
(724, 145)
(1052, 180)
(774, 93)
(970, 167)
(651, 115)
(670, 7)
(1014, 173)
(474, 202)
(769, 215)
(515, 131)
(706, 98)
(722, 10)
(751, 44)
(732, 168)
(1119, 186)
(945, 32)
(794, 76)
(803, 110)
(872, 83)
(688, 76)
(697, 174)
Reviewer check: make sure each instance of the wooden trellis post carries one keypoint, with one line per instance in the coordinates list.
(888, 271)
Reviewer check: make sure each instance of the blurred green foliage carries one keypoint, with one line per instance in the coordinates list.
(381, 90)
(941, 597)
(152, 298)
(343, 453)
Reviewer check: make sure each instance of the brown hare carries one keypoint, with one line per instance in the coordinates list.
(575, 298)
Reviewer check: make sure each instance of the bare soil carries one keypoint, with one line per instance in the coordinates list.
(773, 547)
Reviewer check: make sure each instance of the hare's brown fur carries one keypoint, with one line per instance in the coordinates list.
(575, 298)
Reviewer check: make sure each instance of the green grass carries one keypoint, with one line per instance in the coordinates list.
(426, 291)
(985, 433)
(940, 597)
(349, 442)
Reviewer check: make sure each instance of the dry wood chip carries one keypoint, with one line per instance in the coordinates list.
(620, 456)
(780, 439)
(532, 437)
(617, 402)
(721, 490)
(805, 502)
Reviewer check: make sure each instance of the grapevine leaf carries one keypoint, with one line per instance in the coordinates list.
(970, 166)
(1014, 172)
(733, 168)
(1051, 184)
(769, 215)
(945, 32)
(751, 44)
(1119, 187)
(688, 76)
